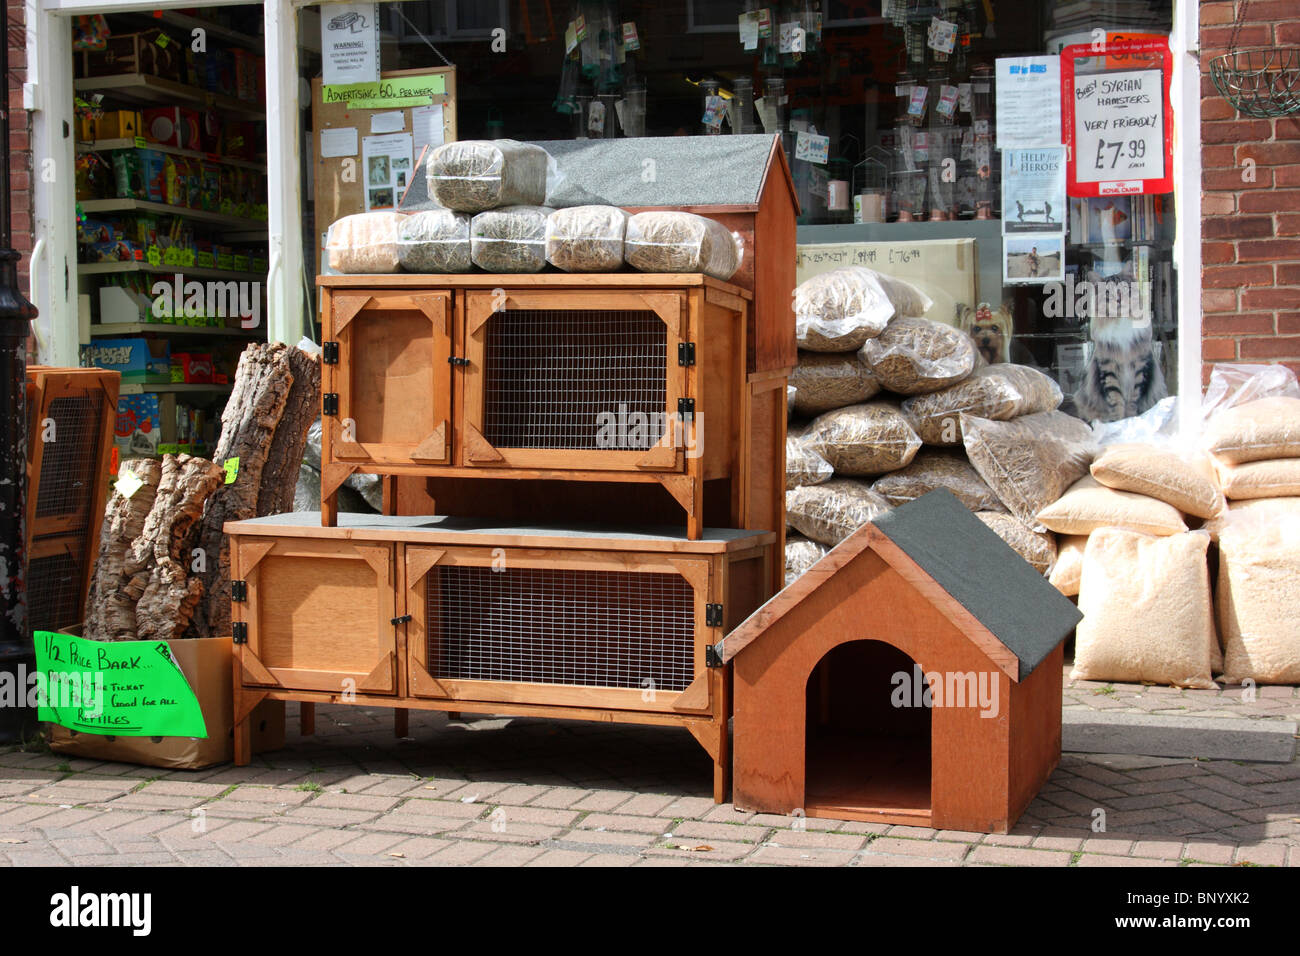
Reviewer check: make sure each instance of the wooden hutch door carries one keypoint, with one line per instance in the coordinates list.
(581, 381)
(392, 377)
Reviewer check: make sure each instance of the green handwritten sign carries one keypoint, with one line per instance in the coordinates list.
(390, 93)
(119, 688)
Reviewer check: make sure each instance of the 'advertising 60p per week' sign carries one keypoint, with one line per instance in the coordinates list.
(119, 688)
(1117, 122)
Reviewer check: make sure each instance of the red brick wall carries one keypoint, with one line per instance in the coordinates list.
(20, 149)
(1250, 244)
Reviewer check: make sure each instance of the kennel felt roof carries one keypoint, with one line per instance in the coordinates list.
(980, 580)
(650, 171)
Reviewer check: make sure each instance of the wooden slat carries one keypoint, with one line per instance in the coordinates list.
(346, 306)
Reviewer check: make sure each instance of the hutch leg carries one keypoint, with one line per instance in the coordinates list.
(388, 485)
(695, 524)
(401, 722)
(329, 510)
(243, 733)
(307, 718)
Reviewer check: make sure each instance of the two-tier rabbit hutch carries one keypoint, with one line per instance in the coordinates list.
(570, 570)
(911, 676)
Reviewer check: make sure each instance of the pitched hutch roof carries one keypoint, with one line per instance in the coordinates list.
(971, 575)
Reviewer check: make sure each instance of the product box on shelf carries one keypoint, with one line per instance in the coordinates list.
(118, 250)
(172, 126)
(152, 53)
(139, 426)
(192, 367)
(111, 124)
(118, 305)
(140, 361)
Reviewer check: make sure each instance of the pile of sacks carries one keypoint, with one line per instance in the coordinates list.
(886, 406)
(1146, 529)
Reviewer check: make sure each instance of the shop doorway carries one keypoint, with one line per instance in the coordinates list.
(865, 752)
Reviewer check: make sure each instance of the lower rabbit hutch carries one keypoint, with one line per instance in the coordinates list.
(454, 614)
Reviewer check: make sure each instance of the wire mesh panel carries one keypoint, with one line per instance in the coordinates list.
(54, 592)
(562, 626)
(575, 379)
(69, 453)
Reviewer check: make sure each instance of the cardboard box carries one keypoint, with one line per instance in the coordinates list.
(207, 665)
(138, 428)
(118, 305)
(140, 361)
(111, 124)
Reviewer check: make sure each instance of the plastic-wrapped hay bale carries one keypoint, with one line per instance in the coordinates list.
(1146, 610)
(1088, 505)
(1258, 430)
(1259, 600)
(365, 243)
(912, 356)
(1068, 568)
(996, 392)
(932, 469)
(474, 175)
(825, 381)
(512, 239)
(804, 465)
(1188, 485)
(586, 238)
(800, 555)
(839, 310)
(867, 439)
(832, 511)
(681, 242)
(1036, 547)
(1271, 478)
(435, 241)
(1031, 460)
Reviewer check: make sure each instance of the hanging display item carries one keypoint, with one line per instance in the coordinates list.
(1118, 123)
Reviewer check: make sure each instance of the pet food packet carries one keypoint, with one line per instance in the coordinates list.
(826, 381)
(913, 355)
(832, 511)
(996, 392)
(932, 469)
(839, 310)
(867, 439)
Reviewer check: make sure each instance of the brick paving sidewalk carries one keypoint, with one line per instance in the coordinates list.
(1228, 700)
(533, 792)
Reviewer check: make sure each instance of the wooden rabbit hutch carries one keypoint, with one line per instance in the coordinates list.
(911, 676)
(71, 413)
(465, 615)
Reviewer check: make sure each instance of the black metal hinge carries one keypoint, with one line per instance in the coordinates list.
(239, 632)
(329, 403)
(686, 408)
(711, 656)
(239, 591)
(329, 353)
(713, 615)
(685, 353)
(457, 360)
(401, 620)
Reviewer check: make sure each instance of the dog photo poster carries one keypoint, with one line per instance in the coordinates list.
(1033, 190)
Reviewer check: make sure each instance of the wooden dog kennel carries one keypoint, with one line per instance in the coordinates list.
(911, 676)
(464, 615)
(597, 378)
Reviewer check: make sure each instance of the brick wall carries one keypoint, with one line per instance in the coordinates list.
(20, 150)
(1250, 200)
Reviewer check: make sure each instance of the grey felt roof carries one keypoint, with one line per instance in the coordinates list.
(646, 171)
(984, 574)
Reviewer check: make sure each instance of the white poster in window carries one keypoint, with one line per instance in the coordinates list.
(426, 126)
(1033, 190)
(1034, 259)
(1119, 126)
(1028, 98)
(386, 162)
(337, 143)
(349, 39)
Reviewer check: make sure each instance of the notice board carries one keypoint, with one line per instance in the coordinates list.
(351, 115)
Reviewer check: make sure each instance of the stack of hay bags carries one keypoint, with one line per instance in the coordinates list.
(494, 219)
(886, 406)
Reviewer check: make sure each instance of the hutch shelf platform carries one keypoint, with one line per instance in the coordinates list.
(463, 615)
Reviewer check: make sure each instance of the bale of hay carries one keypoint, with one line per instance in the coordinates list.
(364, 243)
(586, 238)
(932, 469)
(1038, 548)
(800, 555)
(804, 464)
(681, 242)
(474, 175)
(914, 355)
(996, 392)
(832, 511)
(435, 241)
(824, 381)
(510, 240)
(839, 310)
(867, 439)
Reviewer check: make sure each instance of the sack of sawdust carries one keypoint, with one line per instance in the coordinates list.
(435, 241)
(1028, 461)
(364, 244)
(826, 380)
(1271, 478)
(1265, 509)
(838, 310)
(681, 242)
(1088, 505)
(832, 511)
(867, 439)
(1147, 614)
(1259, 598)
(800, 555)
(913, 355)
(1258, 430)
(932, 469)
(586, 238)
(996, 392)
(804, 464)
(1186, 484)
(474, 175)
(1036, 547)
(511, 239)
(1068, 568)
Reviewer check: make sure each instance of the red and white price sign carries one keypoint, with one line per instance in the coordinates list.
(1117, 122)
